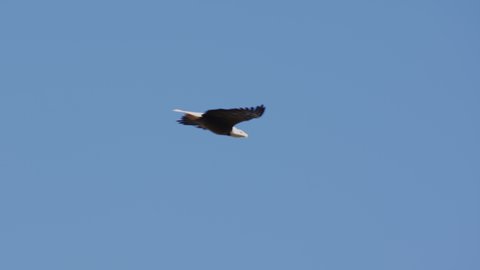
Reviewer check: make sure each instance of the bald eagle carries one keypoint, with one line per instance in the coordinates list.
(221, 121)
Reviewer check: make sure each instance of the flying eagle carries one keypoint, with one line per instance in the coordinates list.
(221, 121)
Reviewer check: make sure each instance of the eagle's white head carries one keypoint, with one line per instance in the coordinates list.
(238, 133)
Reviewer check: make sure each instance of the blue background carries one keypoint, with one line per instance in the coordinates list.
(367, 156)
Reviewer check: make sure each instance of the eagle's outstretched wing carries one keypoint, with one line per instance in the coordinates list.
(231, 117)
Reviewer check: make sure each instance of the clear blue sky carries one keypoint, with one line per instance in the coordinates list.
(368, 156)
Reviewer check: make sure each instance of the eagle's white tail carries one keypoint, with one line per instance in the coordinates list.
(196, 114)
